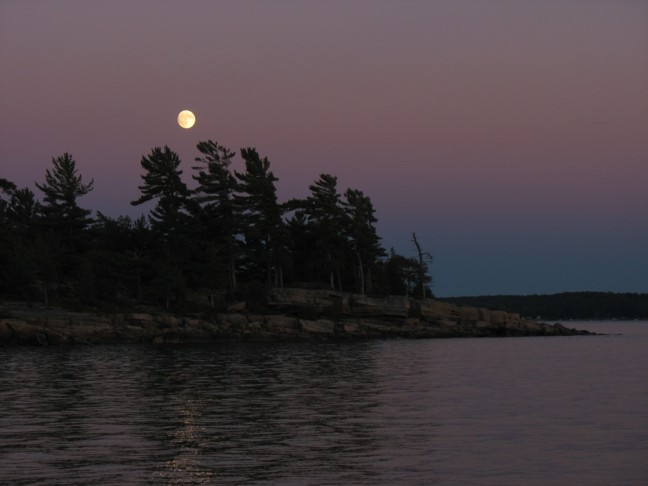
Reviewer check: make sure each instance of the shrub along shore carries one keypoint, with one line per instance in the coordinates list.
(294, 314)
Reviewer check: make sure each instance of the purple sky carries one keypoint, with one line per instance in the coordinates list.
(511, 135)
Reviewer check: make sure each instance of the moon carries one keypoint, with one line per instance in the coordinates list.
(186, 119)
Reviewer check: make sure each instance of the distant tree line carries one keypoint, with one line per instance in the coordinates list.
(227, 239)
(568, 305)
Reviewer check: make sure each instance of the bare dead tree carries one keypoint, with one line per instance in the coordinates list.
(423, 259)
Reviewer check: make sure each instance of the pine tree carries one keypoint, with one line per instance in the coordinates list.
(22, 215)
(401, 274)
(119, 256)
(362, 236)
(19, 211)
(217, 212)
(64, 223)
(7, 188)
(23, 210)
(170, 220)
(327, 220)
(263, 229)
(62, 187)
(162, 182)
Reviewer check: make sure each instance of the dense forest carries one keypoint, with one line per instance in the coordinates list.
(227, 239)
(568, 305)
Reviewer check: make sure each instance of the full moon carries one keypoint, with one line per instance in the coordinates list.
(186, 119)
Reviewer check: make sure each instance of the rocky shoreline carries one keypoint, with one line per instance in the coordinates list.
(295, 314)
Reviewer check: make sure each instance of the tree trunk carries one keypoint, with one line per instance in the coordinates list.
(232, 273)
(331, 271)
(421, 265)
(138, 283)
(361, 273)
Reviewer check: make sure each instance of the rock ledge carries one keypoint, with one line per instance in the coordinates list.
(297, 314)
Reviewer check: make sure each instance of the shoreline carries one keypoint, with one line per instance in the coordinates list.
(295, 315)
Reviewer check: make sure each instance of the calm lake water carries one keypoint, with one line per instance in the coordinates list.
(556, 410)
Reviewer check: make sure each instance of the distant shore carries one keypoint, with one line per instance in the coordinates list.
(566, 305)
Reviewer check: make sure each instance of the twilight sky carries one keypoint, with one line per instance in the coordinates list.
(510, 135)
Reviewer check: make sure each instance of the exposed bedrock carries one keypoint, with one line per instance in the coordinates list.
(296, 314)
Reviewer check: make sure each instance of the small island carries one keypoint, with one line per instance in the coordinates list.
(223, 260)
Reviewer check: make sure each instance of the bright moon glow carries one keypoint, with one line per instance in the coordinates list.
(186, 119)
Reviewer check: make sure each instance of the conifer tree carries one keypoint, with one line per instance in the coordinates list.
(6, 235)
(62, 187)
(170, 220)
(263, 227)
(64, 223)
(327, 219)
(162, 182)
(401, 273)
(7, 188)
(217, 211)
(22, 211)
(305, 256)
(120, 255)
(21, 236)
(362, 236)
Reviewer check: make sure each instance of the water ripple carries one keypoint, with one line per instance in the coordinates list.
(418, 412)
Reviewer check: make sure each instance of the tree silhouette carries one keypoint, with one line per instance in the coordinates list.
(362, 236)
(263, 227)
(216, 212)
(170, 220)
(325, 218)
(21, 238)
(6, 235)
(228, 236)
(401, 274)
(7, 189)
(162, 182)
(22, 210)
(62, 187)
(64, 222)
(422, 277)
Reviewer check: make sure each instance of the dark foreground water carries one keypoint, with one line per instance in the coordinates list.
(558, 410)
